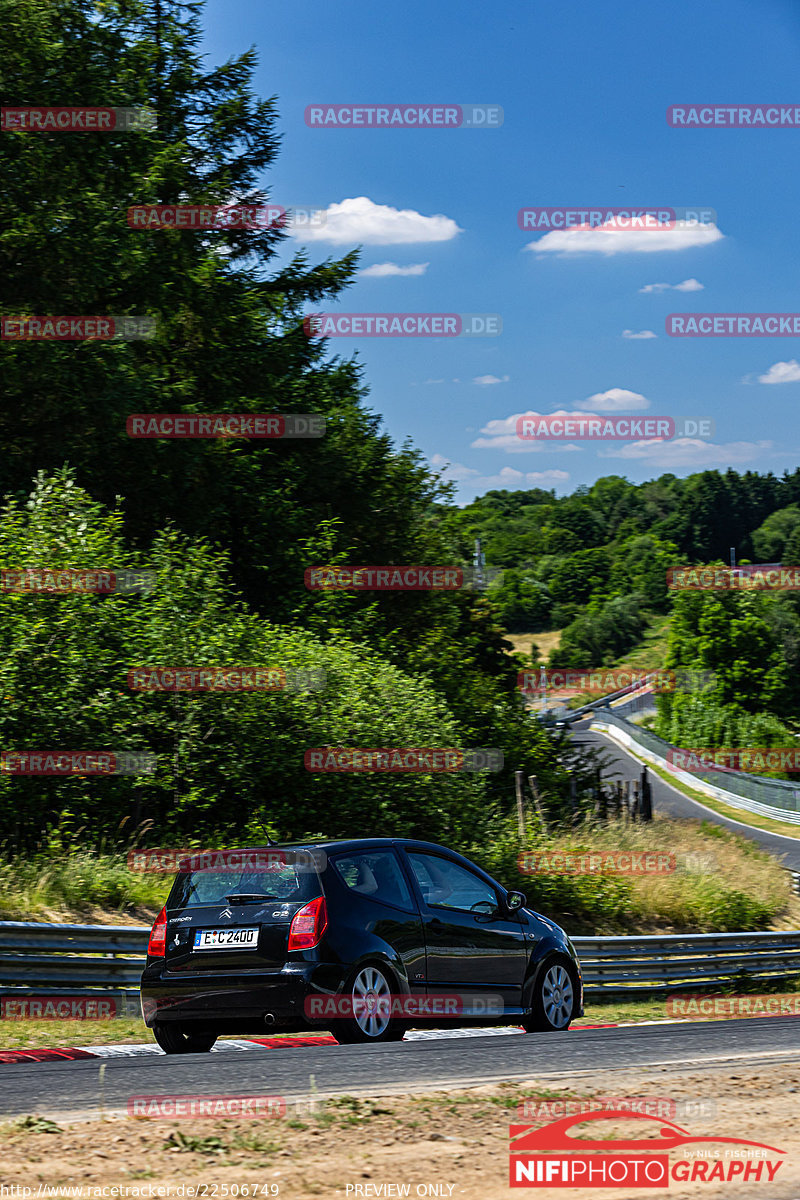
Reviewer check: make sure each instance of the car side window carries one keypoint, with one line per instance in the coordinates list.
(375, 873)
(445, 884)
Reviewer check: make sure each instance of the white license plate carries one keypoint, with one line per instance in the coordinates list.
(226, 939)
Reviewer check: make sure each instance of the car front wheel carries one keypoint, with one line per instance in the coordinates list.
(370, 996)
(177, 1039)
(554, 1001)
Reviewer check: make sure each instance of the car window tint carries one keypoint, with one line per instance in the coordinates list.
(375, 873)
(210, 887)
(444, 884)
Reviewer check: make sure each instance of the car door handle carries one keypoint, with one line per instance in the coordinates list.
(436, 923)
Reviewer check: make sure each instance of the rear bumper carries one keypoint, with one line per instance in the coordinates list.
(252, 1002)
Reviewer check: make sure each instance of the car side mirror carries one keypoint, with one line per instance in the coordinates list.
(515, 901)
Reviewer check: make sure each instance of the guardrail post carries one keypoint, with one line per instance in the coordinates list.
(647, 796)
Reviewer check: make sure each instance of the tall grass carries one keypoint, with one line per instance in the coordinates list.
(78, 884)
(722, 882)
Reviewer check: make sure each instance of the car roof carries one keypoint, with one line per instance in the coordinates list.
(375, 843)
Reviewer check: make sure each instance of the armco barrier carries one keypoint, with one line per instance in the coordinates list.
(662, 964)
(775, 798)
(73, 960)
(92, 960)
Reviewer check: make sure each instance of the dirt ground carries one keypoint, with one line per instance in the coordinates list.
(444, 1144)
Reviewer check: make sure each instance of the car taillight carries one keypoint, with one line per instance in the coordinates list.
(157, 941)
(308, 925)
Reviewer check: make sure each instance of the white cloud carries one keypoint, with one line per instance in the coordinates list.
(635, 337)
(381, 270)
(782, 372)
(616, 400)
(507, 477)
(688, 285)
(487, 380)
(360, 220)
(689, 452)
(601, 240)
(501, 434)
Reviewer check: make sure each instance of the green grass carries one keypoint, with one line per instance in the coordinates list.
(721, 881)
(82, 885)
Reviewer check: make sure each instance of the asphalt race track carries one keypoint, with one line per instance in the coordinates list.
(54, 1088)
(672, 803)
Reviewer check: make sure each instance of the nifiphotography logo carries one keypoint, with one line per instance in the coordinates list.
(552, 1156)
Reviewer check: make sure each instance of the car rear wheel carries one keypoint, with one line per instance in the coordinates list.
(371, 995)
(177, 1039)
(554, 1000)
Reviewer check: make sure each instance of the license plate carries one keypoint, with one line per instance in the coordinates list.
(226, 939)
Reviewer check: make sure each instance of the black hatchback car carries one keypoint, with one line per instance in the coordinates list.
(364, 937)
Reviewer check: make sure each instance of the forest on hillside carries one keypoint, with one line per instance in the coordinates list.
(594, 564)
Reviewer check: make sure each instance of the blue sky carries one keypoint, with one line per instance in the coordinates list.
(584, 91)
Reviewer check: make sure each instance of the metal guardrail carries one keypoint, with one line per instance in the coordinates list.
(73, 960)
(667, 963)
(631, 690)
(752, 793)
(102, 960)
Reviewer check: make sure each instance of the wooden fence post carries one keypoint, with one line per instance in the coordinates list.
(537, 802)
(519, 780)
(647, 796)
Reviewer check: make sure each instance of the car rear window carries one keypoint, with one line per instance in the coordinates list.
(283, 882)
